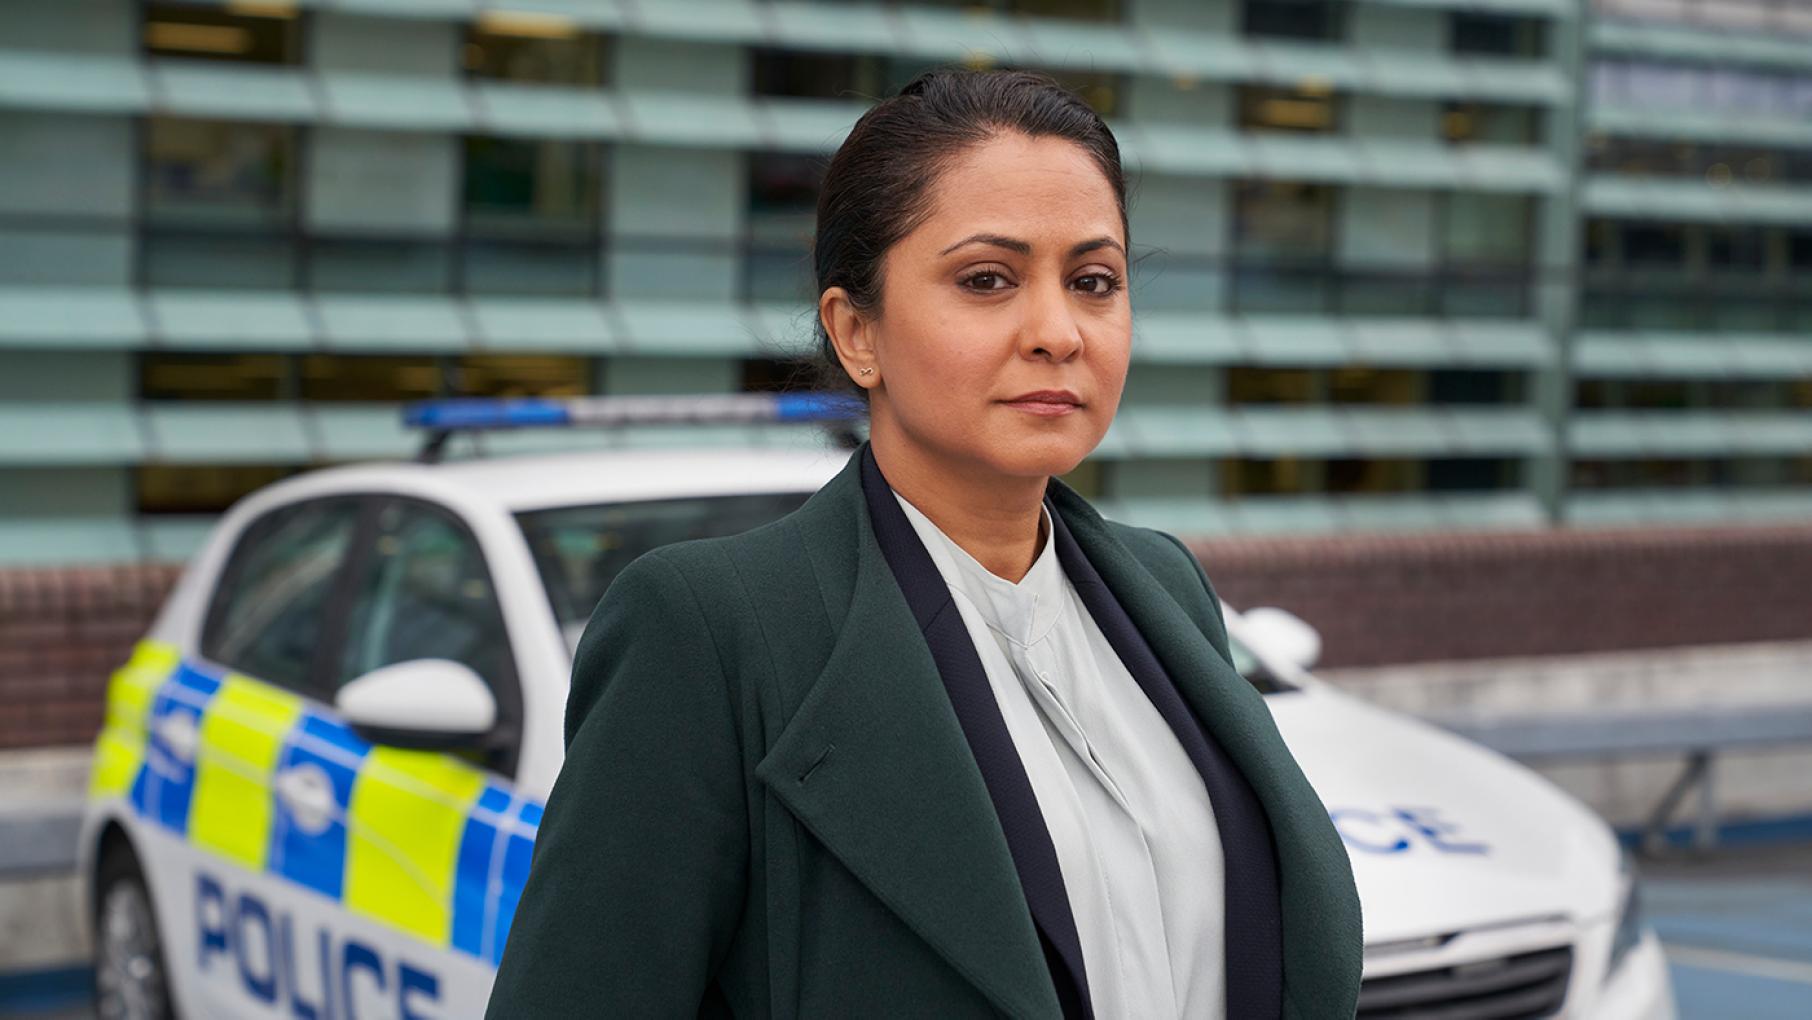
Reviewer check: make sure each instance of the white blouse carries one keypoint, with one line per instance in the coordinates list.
(1127, 812)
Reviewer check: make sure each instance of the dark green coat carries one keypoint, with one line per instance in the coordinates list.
(768, 808)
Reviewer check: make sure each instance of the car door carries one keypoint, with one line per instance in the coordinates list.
(437, 841)
(219, 727)
(313, 871)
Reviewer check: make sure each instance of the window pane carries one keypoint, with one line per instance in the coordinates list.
(521, 187)
(1691, 472)
(1267, 476)
(1496, 35)
(1361, 475)
(1249, 384)
(1491, 122)
(263, 33)
(211, 376)
(1664, 85)
(219, 204)
(380, 266)
(1308, 110)
(1361, 385)
(1101, 90)
(200, 488)
(1283, 237)
(1475, 386)
(1384, 291)
(267, 615)
(1293, 19)
(819, 75)
(537, 48)
(1075, 10)
(172, 258)
(778, 375)
(369, 378)
(1283, 219)
(522, 375)
(551, 267)
(219, 173)
(1483, 229)
(783, 201)
(1656, 245)
(1470, 474)
(425, 594)
(532, 215)
(1799, 251)
(1738, 249)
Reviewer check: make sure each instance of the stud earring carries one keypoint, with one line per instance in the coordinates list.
(866, 371)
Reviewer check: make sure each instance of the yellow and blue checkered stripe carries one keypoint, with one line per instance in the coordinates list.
(422, 842)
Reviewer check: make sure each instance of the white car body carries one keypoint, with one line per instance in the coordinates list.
(1463, 859)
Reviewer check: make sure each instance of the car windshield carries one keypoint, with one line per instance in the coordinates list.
(581, 549)
(1254, 669)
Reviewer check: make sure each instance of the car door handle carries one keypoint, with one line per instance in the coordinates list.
(307, 793)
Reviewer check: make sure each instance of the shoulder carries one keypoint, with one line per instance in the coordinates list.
(722, 584)
(754, 610)
(1165, 555)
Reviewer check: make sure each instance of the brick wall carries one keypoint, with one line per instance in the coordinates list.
(62, 632)
(1375, 598)
(1379, 599)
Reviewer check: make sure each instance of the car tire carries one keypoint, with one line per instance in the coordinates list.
(130, 980)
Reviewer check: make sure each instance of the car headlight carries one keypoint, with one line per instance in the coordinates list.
(1629, 916)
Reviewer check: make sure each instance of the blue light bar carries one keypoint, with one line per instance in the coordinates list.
(474, 414)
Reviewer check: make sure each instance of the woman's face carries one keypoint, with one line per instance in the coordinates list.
(1004, 331)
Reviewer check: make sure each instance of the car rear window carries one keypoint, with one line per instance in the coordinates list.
(579, 550)
(1254, 669)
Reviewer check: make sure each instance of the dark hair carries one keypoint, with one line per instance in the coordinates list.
(875, 189)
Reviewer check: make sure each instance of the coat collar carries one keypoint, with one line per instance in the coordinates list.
(875, 765)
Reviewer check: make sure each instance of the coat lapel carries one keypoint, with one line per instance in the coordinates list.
(874, 763)
(1316, 910)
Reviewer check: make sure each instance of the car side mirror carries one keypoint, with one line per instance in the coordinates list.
(1282, 634)
(423, 704)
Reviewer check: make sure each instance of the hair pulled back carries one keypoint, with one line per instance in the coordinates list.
(877, 187)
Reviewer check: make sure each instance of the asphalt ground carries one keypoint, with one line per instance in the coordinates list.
(1737, 926)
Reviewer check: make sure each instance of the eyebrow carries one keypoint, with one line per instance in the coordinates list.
(1024, 248)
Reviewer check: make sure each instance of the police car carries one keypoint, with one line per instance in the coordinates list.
(321, 772)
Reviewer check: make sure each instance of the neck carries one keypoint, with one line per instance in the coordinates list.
(995, 518)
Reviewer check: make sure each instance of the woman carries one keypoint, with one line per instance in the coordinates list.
(943, 742)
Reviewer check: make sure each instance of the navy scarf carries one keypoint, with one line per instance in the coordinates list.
(1253, 933)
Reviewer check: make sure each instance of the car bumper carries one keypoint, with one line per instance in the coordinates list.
(1640, 988)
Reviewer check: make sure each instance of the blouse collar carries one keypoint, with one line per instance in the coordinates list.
(1025, 611)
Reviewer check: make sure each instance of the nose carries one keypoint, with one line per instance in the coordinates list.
(1049, 329)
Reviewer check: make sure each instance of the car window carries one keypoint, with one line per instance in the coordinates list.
(267, 616)
(1254, 669)
(579, 550)
(424, 593)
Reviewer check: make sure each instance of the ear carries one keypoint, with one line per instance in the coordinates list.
(851, 335)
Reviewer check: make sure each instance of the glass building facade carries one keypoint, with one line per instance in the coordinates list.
(1399, 263)
(1692, 357)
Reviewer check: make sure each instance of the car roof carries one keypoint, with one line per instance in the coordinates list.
(524, 482)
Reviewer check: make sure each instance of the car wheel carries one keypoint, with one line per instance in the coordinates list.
(130, 981)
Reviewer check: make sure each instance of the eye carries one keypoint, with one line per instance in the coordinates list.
(1100, 282)
(984, 279)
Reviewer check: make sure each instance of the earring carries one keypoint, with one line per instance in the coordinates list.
(866, 371)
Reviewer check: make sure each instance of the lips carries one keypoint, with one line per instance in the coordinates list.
(1046, 397)
(1046, 402)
